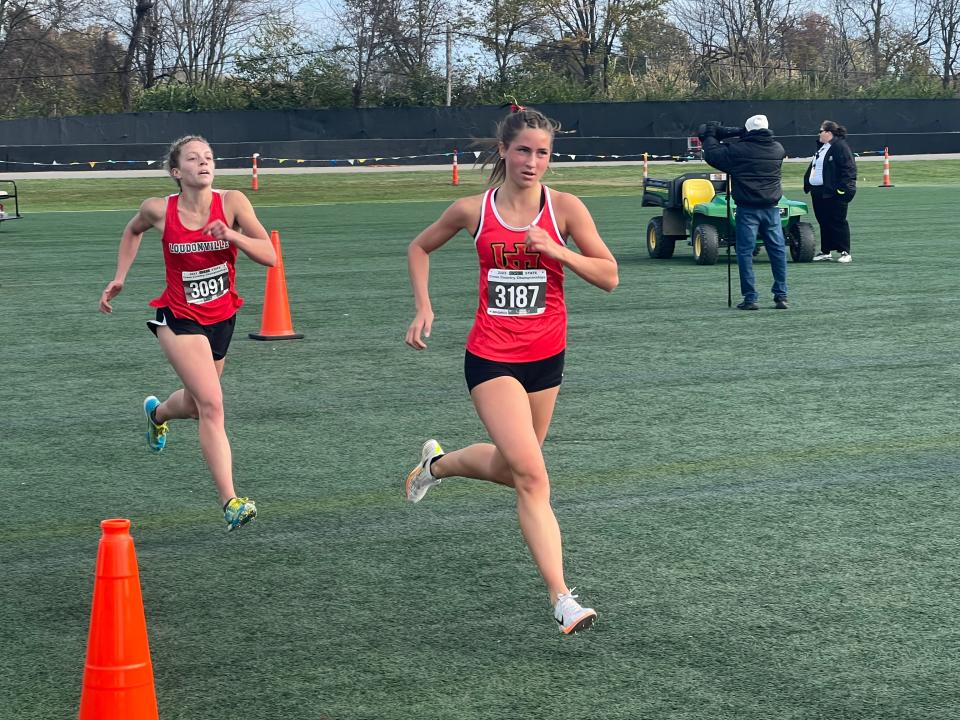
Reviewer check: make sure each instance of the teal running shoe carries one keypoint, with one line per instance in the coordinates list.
(156, 434)
(238, 512)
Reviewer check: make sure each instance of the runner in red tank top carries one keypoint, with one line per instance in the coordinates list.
(201, 230)
(515, 351)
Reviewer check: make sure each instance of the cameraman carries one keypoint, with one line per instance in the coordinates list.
(753, 164)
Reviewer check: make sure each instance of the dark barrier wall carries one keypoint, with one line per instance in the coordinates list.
(658, 128)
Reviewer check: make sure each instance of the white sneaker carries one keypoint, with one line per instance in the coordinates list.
(823, 256)
(571, 615)
(845, 257)
(420, 479)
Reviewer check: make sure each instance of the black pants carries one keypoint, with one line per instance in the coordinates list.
(831, 213)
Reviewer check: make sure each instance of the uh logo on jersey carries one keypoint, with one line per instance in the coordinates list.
(518, 259)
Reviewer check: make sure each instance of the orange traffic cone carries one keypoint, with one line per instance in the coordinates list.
(118, 676)
(456, 169)
(886, 169)
(276, 323)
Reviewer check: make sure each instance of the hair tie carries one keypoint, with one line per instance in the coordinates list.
(514, 108)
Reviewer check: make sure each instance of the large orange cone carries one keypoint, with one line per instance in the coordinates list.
(118, 676)
(276, 323)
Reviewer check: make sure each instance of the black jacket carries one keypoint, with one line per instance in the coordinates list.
(753, 164)
(839, 171)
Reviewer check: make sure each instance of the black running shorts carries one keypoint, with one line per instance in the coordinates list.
(533, 376)
(219, 334)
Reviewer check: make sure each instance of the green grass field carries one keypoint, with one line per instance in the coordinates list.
(763, 507)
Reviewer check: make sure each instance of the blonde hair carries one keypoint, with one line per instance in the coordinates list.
(507, 130)
(173, 154)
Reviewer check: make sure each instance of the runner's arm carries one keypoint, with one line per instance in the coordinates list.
(455, 218)
(594, 263)
(149, 215)
(247, 233)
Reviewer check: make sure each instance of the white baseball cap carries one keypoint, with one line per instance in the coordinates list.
(757, 122)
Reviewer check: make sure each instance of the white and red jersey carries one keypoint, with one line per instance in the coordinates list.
(200, 269)
(521, 315)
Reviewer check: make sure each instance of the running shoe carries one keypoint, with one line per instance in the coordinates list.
(420, 479)
(572, 616)
(238, 512)
(823, 257)
(156, 434)
(845, 257)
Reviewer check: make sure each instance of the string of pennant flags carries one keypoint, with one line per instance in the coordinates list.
(334, 162)
(344, 161)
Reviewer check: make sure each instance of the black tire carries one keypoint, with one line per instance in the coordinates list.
(706, 244)
(658, 246)
(802, 241)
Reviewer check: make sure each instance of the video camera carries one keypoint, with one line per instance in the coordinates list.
(720, 132)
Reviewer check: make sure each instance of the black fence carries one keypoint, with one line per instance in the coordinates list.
(428, 135)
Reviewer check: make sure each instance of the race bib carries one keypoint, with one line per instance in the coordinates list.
(516, 292)
(203, 286)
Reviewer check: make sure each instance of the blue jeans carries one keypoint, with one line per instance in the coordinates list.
(765, 223)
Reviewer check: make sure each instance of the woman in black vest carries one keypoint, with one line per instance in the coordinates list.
(831, 180)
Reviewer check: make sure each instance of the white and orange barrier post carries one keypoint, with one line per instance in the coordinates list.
(254, 182)
(645, 168)
(886, 169)
(456, 169)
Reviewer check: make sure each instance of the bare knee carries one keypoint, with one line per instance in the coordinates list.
(209, 410)
(532, 483)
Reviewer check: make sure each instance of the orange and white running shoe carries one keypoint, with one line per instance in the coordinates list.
(572, 616)
(420, 479)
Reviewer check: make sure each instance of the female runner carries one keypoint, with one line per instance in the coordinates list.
(201, 230)
(515, 350)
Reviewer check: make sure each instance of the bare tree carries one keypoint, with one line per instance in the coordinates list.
(592, 28)
(885, 29)
(503, 27)
(141, 12)
(363, 38)
(944, 23)
(31, 46)
(204, 34)
(741, 41)
(415, 29)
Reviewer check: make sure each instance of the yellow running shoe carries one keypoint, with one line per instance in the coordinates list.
(238, 512)
(156, 434)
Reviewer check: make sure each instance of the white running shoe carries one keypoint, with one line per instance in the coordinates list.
(819, 257)
(420, 479)
(571, 615)
(845, 257)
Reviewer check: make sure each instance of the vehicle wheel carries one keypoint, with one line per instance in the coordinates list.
(658, 246)
(706, 244)
(803, 242)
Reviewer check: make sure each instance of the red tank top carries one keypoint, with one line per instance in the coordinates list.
(521, 315)
(200, 270)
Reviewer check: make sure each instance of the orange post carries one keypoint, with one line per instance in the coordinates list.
(645, 169)
(118, 675)
(456, 169)
(276, 323)
(254, 183)
(886, 169)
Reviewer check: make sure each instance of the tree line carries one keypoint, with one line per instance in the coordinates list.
(67, 57)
